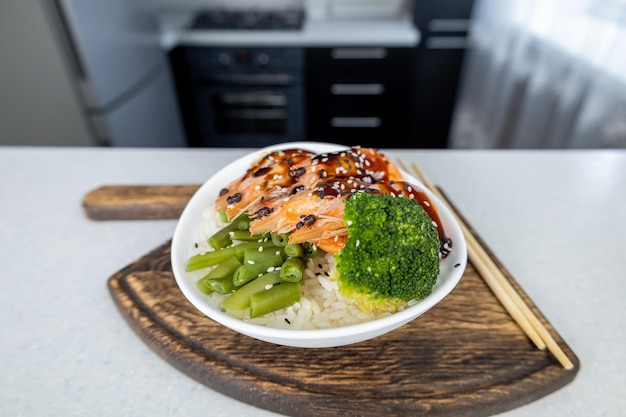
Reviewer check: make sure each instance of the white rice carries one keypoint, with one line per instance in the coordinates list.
(321, 306)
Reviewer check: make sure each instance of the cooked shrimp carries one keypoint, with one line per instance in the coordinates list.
(267, 179)
(364, 163)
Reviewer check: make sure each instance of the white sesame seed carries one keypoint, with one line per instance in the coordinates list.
(250, 261)
(268, 286)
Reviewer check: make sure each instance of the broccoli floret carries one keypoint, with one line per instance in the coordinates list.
(391, 255)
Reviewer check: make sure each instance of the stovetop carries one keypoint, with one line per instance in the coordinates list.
(248, 20)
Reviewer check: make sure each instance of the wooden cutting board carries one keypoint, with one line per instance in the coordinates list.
(465, 357)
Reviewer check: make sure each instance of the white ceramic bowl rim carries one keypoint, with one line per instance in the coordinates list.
(189, 218)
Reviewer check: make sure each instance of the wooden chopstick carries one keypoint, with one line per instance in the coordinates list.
(497, 282)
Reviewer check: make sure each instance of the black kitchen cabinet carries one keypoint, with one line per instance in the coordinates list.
(359, 95)
(438, 64)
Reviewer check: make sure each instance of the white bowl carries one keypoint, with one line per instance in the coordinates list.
(192, 217)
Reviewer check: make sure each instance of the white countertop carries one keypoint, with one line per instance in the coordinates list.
(314, 33)
(557, 220)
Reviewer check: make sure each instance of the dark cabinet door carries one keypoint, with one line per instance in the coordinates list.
(359, 95)
(443, 25)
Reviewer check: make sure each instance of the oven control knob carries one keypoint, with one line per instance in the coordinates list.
(263, 59)
(223, 58)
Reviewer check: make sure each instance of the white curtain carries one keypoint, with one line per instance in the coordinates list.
(544, 74)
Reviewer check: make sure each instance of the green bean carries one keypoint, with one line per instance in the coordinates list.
(263, 252)
(280, 239)
(294, 250)
(292, 270)
(221, 238)
(252, 269)
(244, 235)
(310, 250)
(275, 298)
(216, 257)
(211, 258)
(243, 222)
(203, 286)
(240, 299)
(223, 216)
(219, 285)
(225, 268)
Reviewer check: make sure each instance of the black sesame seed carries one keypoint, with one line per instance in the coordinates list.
(264, 211)
(223, 191)
(297, 172)
(457, 265)
(261, 171)
(235, 198)
(297, 189)
(195, 244)
(287, 320)
(299, 225)
(309, 220)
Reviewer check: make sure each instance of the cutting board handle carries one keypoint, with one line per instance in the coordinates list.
(137, 202)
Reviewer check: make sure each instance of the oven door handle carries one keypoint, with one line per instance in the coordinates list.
(250, 79)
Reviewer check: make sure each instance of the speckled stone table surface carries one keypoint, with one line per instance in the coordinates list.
(556, 219)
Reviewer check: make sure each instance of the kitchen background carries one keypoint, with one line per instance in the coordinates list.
(391, 73)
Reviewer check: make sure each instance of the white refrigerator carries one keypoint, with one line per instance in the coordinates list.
(120, 71)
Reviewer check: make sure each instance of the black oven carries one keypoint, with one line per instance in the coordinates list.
(240, 97)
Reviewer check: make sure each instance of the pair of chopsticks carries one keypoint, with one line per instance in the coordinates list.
(497, 282)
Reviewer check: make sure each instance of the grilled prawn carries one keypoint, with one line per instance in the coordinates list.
(268, 179)
(366, 164)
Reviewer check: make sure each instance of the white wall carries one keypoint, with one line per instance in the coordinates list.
(37, 102)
